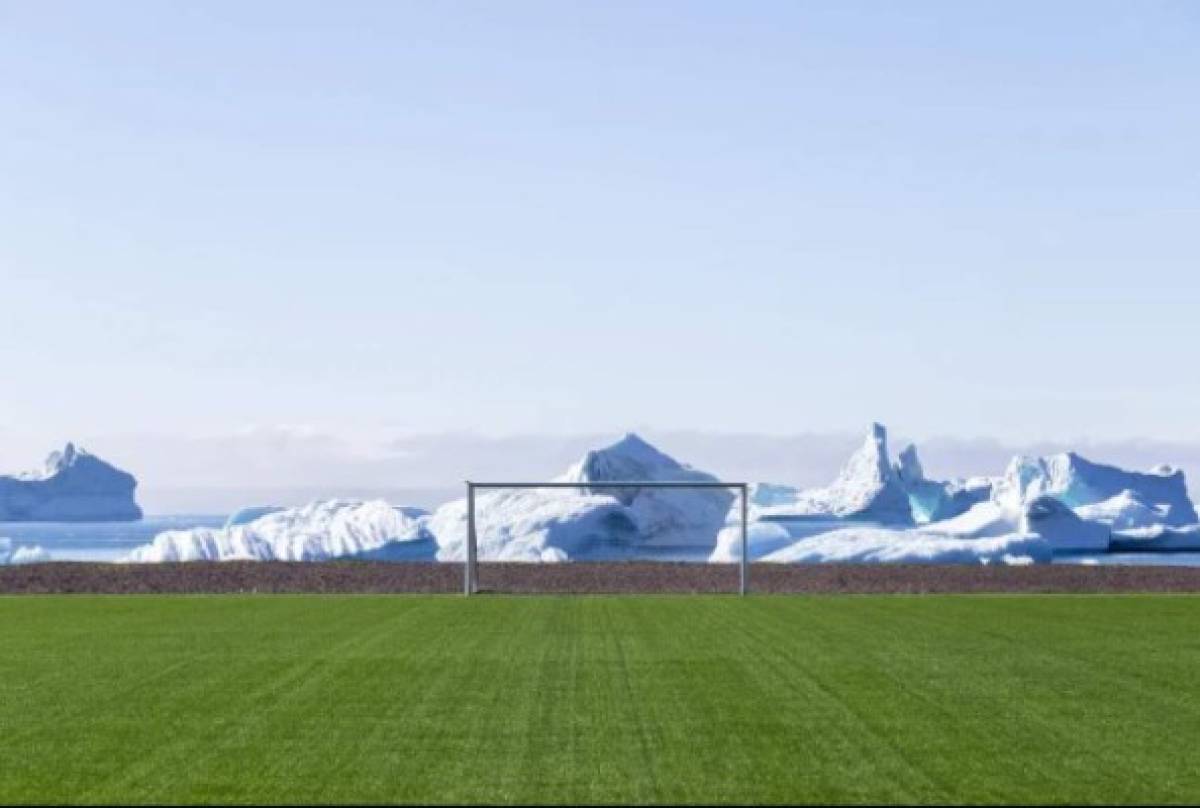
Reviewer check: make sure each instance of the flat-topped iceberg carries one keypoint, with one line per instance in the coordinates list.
(1074, 503)
(1057, 504)
(1078, 483)
(74, 486)
(315, 532)
(596, 521)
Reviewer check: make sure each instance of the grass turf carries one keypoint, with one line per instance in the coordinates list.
(599, 699)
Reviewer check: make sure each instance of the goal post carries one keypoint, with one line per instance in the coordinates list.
(471, 557)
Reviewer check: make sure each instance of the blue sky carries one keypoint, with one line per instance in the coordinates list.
(374, 220)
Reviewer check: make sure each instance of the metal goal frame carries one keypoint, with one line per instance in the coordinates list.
(471, 562)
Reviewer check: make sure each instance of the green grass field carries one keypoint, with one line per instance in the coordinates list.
(599, 699)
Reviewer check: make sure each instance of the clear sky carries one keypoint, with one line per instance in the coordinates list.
(405, 218)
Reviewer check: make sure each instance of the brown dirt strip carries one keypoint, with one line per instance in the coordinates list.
(624, 577)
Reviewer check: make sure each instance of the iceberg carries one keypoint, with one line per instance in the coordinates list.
(867, 488)
(1045, 517)
(1078, 483)
(1076, 504)
(1124, 511)
(664, 517)
(1049, 518)
(884, 546)
(596, 521)
(762, 539)
(1156, 539)
(983, 520)
(874, 511)
(74, 486)
(21, 553)
(532, 525)
(315, 532)
(933, 500)
(985, 534)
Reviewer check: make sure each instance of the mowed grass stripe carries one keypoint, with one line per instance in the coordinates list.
(599, 699)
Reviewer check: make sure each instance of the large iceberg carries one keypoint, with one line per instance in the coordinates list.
(535, 525)
(1074, 503)
(664, 517)
(74, 486)
(984, 534)
(596, 521)
(315, 532)
(1024, 516)
(1079, 483)
(872, 488)
(867, 488)
(11, 553)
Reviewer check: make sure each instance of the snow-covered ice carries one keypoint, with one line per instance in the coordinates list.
(867, 488)
(1062, 503)
(535, 525)
(762, 538)
(315, 532)
(1049, 518)
(935, 500)
(596, 521)
(246, 515)
(1124, 511)
(984, 535)
(73, 486)
(880, 545)
(1078, 482)
(876, 510)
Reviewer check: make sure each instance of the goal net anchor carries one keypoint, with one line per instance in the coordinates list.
(471, 562)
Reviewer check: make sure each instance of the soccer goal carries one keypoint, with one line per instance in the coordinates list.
(471, 564)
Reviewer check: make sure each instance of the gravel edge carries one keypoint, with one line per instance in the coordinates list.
(367, 577)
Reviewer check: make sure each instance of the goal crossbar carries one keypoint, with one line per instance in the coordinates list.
(471, 562)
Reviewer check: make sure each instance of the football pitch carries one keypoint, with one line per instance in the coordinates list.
(443, 699)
